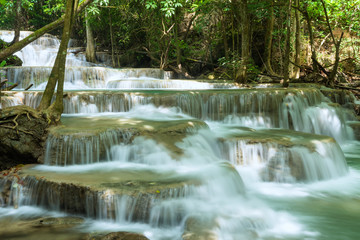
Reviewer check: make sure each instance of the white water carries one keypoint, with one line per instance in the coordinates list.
(240, 179)
(39, 56)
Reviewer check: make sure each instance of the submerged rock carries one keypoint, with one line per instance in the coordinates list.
(200, 228)
(35, 228)
(343, 97)
(356, 127)
(58, 222)
(117, 236)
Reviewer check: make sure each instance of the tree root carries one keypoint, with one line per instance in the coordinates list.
(15, 122)
(17, 130)
(6, 121)
(16, 125)
(13, 111)
(13, 115)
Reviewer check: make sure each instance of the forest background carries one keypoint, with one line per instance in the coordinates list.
(241, 40)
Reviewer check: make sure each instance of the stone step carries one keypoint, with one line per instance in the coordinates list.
(89, 139)
(116, 193)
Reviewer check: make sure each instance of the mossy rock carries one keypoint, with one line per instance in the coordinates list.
(35, 228)
(22, 133)
(117, 236)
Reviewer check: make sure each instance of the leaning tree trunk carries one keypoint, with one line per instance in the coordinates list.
(297, 40)
(112, 40)
(245, 43)
(224, 36)
(311, 38)
(287, 46)
(7, 52)
(17, 24)
(331, 77)
(58, 71)
(268, 39)
(90, 43)
(177, 42)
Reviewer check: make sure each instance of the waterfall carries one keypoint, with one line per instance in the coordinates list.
(172, 158)
(302, 110)
(73, 149)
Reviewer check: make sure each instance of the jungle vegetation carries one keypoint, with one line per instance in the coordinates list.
(241, 40)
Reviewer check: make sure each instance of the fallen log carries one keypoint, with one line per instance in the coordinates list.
(11, 87)
(30, 86)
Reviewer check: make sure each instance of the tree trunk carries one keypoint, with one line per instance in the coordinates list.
(58, 71)
(177, 41)
(90, 43)
(287, 46)
(112, 41)
(57, 107)
(17, 24)
(297, 40)
(189, 26)
(226, 45)
(245, 43)
(337, 44)
(337, 61)
(268, 39)
(7, 52)
(311, 36)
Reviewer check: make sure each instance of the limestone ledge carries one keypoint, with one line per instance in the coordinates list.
(105, 132)
(82, 193)
(283, 144)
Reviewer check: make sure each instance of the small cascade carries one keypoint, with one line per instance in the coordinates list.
(42, 51)
(327, 162)
(11, 99)
(81, 77)
(299, 115)
(39, 56)
(124, 199)
(285, 156)
(80, 149)
(165, 84)
(272, 108)
(142, 151)
(207, 105)
(92, 139)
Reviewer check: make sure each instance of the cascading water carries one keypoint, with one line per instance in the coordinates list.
(174, 164)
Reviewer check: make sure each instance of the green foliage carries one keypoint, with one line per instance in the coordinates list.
(206, 31)
(34, 13)
(54, 6)
(343, 14)
(233, 64)
(94, 8)
(167, 7)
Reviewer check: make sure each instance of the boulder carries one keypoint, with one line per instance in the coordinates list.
(22, 132)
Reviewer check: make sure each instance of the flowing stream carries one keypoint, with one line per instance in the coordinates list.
(183, 159)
